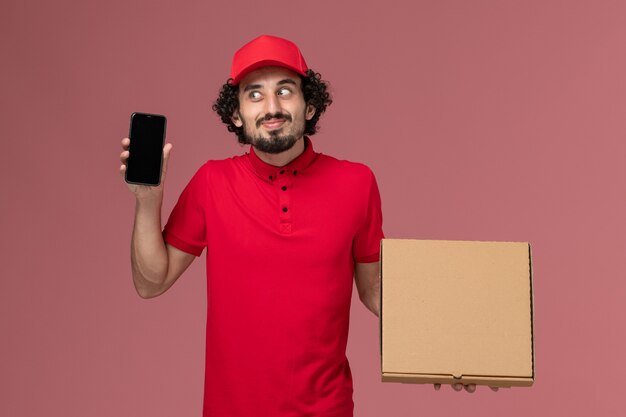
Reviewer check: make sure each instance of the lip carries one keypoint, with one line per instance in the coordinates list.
(273, 123)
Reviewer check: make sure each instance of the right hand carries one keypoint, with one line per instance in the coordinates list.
(145, 191)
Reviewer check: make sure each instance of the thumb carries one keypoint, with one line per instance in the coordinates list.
(166, 156)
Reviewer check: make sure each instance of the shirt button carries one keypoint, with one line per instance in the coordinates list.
(282, 171)
(270, 177)
(295, 172)
(283, 188)
(285, 209)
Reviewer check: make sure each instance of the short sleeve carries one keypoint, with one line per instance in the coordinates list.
(366, 247)
(186, 227)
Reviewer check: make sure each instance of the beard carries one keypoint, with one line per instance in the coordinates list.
(278, 140)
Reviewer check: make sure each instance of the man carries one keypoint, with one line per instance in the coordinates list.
(286, 229)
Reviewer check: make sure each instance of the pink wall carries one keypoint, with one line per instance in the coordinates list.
(483, 120)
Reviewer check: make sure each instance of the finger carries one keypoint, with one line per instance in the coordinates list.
(124, 156)
(437, 387)
(470, 388)
(125, 143)
(494, 389)
(122, 169)
(167, 149)
(457, 387)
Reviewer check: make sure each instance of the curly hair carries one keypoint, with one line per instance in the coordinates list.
(314, 89)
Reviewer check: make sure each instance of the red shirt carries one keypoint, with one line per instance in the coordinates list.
(281, 246)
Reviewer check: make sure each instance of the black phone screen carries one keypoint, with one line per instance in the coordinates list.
(145, 157)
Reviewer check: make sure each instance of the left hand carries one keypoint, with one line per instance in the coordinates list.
(459, 387)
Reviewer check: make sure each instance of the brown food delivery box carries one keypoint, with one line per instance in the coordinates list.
(456, 312)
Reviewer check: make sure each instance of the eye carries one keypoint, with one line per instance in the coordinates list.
(284, 91)
(254, 95)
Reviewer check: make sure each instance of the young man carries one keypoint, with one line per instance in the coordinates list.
(286, 229)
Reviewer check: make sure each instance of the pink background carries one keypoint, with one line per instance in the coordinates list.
(483, 120)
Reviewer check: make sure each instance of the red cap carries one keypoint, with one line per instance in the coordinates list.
(265, 51)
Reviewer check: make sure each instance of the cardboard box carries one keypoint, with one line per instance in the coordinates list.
(456, 312)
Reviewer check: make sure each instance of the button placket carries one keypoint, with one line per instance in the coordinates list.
(283, 183)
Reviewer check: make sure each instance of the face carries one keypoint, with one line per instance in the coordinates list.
(272, 110)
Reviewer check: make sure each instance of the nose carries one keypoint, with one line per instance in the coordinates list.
(272, 105)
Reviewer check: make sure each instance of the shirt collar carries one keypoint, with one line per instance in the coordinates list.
(270, 172)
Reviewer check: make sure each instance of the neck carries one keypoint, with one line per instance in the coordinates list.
(283, 158)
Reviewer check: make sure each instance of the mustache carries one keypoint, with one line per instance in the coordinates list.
(267, 117)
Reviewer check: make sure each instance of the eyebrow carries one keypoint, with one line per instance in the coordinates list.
(286, 81)
(281, 82)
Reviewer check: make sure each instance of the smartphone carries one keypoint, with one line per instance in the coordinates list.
(145, 158)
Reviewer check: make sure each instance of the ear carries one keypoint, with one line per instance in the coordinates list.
(236, 119)
(310, 111)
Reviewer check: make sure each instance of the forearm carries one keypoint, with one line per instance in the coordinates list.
(149, 259)
(371, 300)
(367, 278)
